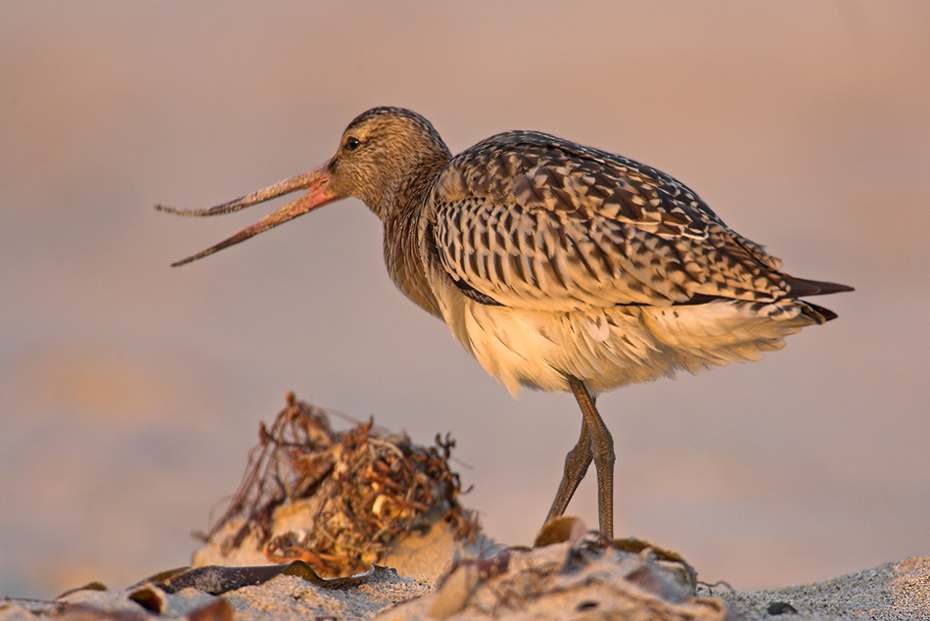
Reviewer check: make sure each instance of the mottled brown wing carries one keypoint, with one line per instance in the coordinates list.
(531, 221)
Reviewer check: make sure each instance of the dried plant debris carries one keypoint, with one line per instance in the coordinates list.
(217, 580)
(356, 491)
(571, 573)
(90, 586)
(292, 592)
(110, 606)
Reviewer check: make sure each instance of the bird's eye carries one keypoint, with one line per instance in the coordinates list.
(352, 143)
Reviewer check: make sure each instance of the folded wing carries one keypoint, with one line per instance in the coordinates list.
(528, 220)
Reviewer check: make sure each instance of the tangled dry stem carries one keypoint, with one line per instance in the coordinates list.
(366, 487)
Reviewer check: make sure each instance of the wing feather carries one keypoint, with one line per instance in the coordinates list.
(532, 221)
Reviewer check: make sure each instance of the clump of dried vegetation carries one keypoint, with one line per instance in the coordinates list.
(364, 488)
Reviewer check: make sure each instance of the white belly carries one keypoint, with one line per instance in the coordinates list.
(609, 348)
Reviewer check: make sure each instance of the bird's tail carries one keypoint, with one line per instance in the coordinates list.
(802, 287)
(817, 313)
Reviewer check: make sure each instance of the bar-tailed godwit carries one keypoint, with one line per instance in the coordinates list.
(558, 267)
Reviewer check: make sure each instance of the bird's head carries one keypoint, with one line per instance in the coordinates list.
(384, 154)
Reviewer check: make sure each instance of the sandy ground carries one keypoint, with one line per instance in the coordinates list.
(892, 591)
(560, 581)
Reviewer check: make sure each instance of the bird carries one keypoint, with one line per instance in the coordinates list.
(559, 267)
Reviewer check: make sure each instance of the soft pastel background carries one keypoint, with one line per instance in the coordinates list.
(131, 392)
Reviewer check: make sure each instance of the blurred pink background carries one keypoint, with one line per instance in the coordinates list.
(131, 392)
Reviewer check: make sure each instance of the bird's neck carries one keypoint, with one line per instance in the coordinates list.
(401, 218)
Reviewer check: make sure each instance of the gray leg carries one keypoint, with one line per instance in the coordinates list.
(595, 443)
(576, 465)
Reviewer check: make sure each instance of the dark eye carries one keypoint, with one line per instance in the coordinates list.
(352, 143)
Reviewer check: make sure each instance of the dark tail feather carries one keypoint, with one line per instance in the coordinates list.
(818, 313)
(801, 287)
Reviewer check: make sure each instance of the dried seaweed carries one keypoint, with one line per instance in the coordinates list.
(366, 487)
(578, 572)
(217, 580)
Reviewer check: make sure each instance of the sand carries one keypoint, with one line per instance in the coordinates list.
(580, 578)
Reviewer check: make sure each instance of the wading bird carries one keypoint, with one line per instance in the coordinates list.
(557, 266)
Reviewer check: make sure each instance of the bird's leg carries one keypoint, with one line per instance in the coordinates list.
(602, 447)
(595, 443)
(576, 465)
